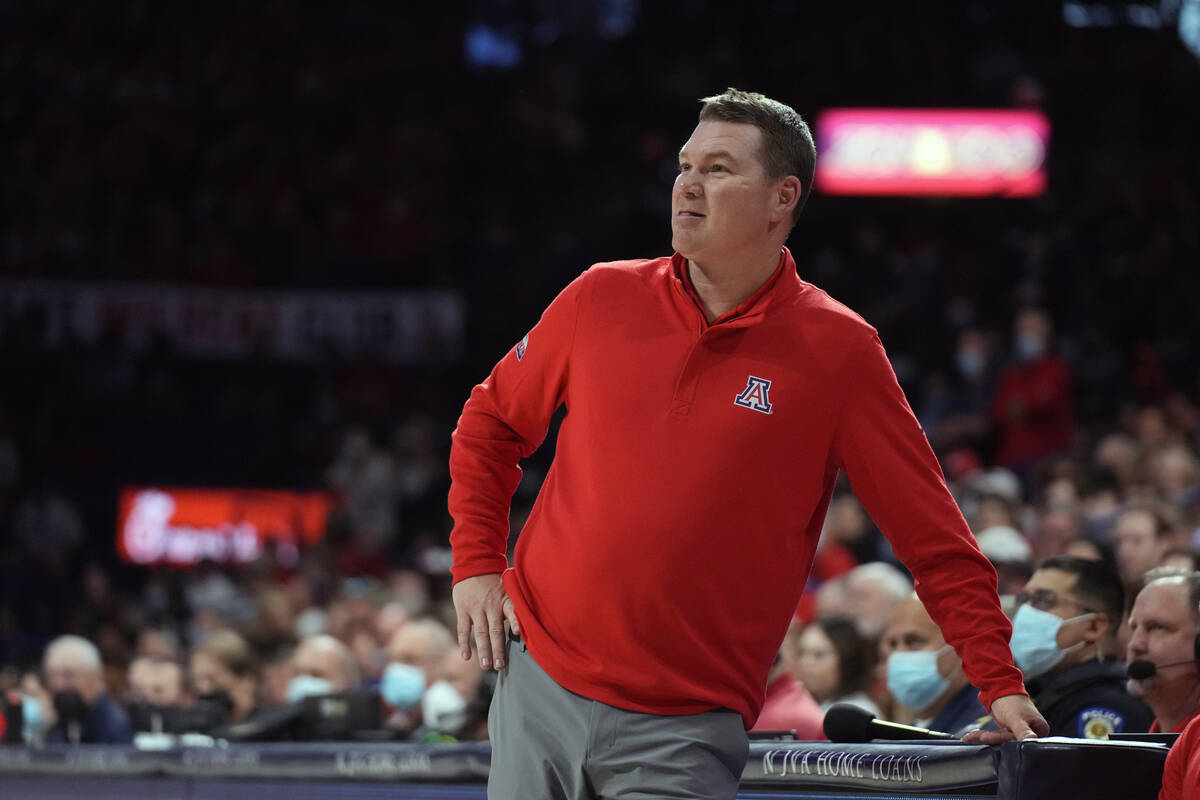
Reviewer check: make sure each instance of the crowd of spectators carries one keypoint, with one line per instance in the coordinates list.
(1049, 347)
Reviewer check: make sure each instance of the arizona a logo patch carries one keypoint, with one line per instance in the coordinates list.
(521, 345)
(755, 396)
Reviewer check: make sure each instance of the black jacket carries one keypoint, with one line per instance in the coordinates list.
(1089, 701)
(106, 723)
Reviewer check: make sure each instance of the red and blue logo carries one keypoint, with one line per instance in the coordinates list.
(756, 395)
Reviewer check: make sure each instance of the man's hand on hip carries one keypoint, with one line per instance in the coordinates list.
(1016, 718)
(483, 608)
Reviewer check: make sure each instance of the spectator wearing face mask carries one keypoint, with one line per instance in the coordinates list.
(37, 707)
(462, 713)
(154, 680)
(1065, 642)
(964, 422)
(416, 655)
(157, 703)
(84, 712)
(224, 671)
(923, 672)
(1032, 410)
(322, 665)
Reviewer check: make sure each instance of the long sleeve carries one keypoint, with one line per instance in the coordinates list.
(894, 473)
(504, 420)
(1181, 772)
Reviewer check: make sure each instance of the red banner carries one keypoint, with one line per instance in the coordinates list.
(932, 152)
(183, 526)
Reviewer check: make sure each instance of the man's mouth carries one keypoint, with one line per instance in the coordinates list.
(688, 214)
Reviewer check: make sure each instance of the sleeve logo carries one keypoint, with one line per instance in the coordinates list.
(1098, 723)
(755, 396)
(521, 345)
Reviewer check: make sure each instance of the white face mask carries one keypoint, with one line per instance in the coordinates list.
(443, 708)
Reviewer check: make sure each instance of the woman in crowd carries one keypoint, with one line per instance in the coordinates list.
(835, 663)
(224, 670)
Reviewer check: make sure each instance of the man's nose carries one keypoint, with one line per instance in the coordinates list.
(1137, 643)
(690, 186)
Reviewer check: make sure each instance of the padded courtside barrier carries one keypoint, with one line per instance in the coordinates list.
(1047, 768)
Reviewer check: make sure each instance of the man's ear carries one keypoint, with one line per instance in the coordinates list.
(786, 198)
(1097, 628)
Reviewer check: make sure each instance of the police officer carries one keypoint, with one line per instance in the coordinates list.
(1065, 639)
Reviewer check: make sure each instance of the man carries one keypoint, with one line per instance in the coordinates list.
(416, 656)
(923, 672)
(322, 665)
(1011, 555)
(422, 643)
(1142, 536)
(1065, 641)
(85, 714)
(872, 591)
(155, 680)
(1164, 625)
(712, 398)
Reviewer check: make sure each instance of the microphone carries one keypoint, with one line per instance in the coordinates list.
(1141, 669)
(847, 723)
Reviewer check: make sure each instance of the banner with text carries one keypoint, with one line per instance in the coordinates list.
(184, 526)
(947, 152)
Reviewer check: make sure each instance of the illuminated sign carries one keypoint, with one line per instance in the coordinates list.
(932, 152)
(181, 527)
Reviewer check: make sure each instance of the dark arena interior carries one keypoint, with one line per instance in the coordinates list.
(255, 257)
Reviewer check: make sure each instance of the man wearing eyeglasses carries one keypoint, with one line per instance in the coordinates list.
(1065, 639)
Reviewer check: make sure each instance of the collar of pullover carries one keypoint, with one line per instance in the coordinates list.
(784, 281)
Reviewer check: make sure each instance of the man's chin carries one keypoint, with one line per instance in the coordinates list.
(685, 246)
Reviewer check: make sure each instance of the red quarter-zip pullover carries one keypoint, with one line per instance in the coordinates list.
(674, 532)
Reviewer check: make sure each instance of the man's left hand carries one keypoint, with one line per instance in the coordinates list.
(1016, 717)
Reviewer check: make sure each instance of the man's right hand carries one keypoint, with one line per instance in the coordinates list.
(483, 608)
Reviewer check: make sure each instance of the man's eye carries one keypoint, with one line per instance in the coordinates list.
(717, 168)
(684, 167)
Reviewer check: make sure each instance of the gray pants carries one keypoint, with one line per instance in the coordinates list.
(549, 743)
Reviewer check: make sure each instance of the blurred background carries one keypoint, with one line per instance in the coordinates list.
(262, 253)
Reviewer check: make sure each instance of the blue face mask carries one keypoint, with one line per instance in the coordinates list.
(1030, 346)
(970, 363)
(913, 677)
(303, 686)
(402, 685)
(31, 712)
(1034, 640)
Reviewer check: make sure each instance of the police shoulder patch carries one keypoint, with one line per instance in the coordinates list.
(1098, 723)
